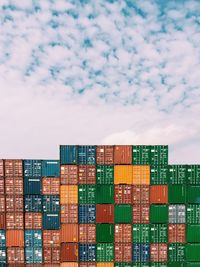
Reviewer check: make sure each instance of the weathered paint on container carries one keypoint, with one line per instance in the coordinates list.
(68, 194)
(69, 233)
(87, 253)
(141, 174)
(176, 233)
(176, 253)
(141, 213)
(86, 194)
(141, 233)
(69, 174)
(123, 194)
(123, 213)
(158, 252)
(15, 255)
(69, 252)
(14, 238)
(2, 238)
(33, 255)
(105, 155)
(123, 174)
(123, 233)
(15, 220)
(177, 213)
(87, 233)
(104, 213)
(158, 233)
(32, 186)
(159, 155)
(193, 213)
(159, 174)
(177, 174)
(193, 194)
(105, 252)
(51, 186)
(177, 194)
(105, 194)
(51, 255)
(105, 233)
(2, 203)
(86, 155)
(192, 252)
(158, 214)
(50, 168)
(13, 167)
(87, 214)
(122, 154)
(158, 194)
(193, 174)
(13, 185)
(51, 203)
(140, 194)
(141, 155)
(51, 221)
(14, 203)
(193, 233)
(68, 154)
(33, 203)
(105, 174)
(33, 238)
(51, 238)
(123, 252)
(33, 220)
(87, 174)
(32, 168)
(69, 213)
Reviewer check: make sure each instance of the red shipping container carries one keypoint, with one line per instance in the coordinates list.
(105, 155)
(123, 194)
(69, 213)
(1, 168)
(140, 194)
(51, 186)
(15, 220)
(2, 221)
(14, 238)
(87, 174)
(14, 203)
(2, 203)
(51, 238)
(123, 154)
(141, 214)
(33, 220)
(69, 174)
(87, 264)
(159, 194)
(13, 167)
(51, 254)
(14, 185)
(123, 233)
(69, 252)
(104, 213)
(158, 252)
(15, 255)
(123, 252)
(176, 233)
(87, 233)
(2, 191)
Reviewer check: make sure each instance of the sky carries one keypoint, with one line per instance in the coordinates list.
(99, 72)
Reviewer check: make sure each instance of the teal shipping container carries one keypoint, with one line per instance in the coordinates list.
(50, 168)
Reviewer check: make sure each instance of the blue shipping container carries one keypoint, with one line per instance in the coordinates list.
(68, 154)
(87, 155)
(141, 252)
(33, 255)
(51, 203)
(2, 238)
(87, 252)
(87, 213)
(51, 221)
(33, 203)
(33, 238)
(50, 168)
(145, 252)
(32, 168)
(3, 256)
(32, 186)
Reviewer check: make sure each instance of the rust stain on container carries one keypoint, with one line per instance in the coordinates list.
(141, 174)
(87, 174)
(69, 233)
(69, 252)
(33, 220)
(15, 255)
(2, 191)
(13, 167)
(51, 238)
(176, 233)
(123, 252)
(141, 213)
(123, 194)
(159, 194)
(123, 233)
(123, 174)
(87, 233)
(14, 203)
(15, 220)
(158, 252)
(2, 203)
(105, 213)
(15, 238)
(69, 213)
(140, 194)
(51, 186)
(68, 194)
(2, 221)
(51, 255)
(69, 174)
(105, 155)
(14, 185)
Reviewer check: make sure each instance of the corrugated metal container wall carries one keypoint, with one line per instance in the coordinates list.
(69, 174)
(158, 213)
(2, 182)
(13, 185)
(69, 233)
(2, 203)
(3, 258)
(193, 233)
(141, 174)
(193, 174)
(15, 255)
(193, 213)
(105, 155)
(141, 233)
(177, 213)
(123, 154)
(14, 203)
(68, 194)
(33, 238)
(140, 194)
(158, 233)
(141, 213)
(51, 255)
(50, 186)
(123, 233)
(123, 194)
(105, 264)
(32, 186)
(51, 221)
(2, 221)
(87, 233)
(69, 213)
(105, 252)
(123, 213)
(87, 264)
(2, 238)
(176, 253)
(87, 174)
(176, 233)
(123, 174)
(105, 233)
(141, 155)
(104, 213)
(1, 167)
(87, 252)
(87, 155)
(105, 194)
(32, 168)
(33, 255)
(68, 154)
(177, 194)
(13, 168)
(69, 252)
(33, 220)
(140, 252)
(69, 264)
(15, 220)
(158, 252)
(159, 174)
(50, 168)
(33, 203)
(159, 155)
(15, 238)
(51, 238)
(123, 252)
(105, 174)
(177, 174)
(193, 194)
(87, 214)
(159, 194)
(86, 194)
(192, 252)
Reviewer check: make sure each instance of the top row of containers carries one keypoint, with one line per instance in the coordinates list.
(108, 155)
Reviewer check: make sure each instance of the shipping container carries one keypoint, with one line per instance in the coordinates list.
(69, 233)
(33, 238)
(122, 154)
(140, 252)
(141, 233)
(192, 252)
(87, 253)
(177, 213)
(123, 233)
(158, 214)
(105, 194)
(2, 220)
(193, 213)
(68, 154)
(32, 168)
(50, 168)
(140, 194)
(159, 174)
(105, 252)
(69, 252)
(1, 167)
(33, 220)
(123, 194)
(86, 194)
(3, 259)
(193, 194)
(51, 186)
(87, 233)
(141, 155)
(158, 194)
(13, 185)
(51, 221)
(105, 155)
(105, 264)
(15, 220)
(51, 203)
(86, 174)
(51, 238)
(123, 264)
(123, 213)
(69, 174)
(105, 233)
(176, 252)
(141, 213)
(14, 203)
(15, 255)
(2, 183)
(33, 203)
(141, 174)
(33, 255)
(2, 203)
(15, 238)
(159, 155)
(32, 186)
(158, 252)
(51, 255)
(104, 213)
(177, 194)
(193, 174)
(176, 233)
(193, 233)
(13, 168)
(68, 264)
(87, 155)
(158, 233)
(68, 194)
(2, 238)
(176, 264)
(177, 174)
(69, 213)
(123, 252)
(163, 264)
(87, 264)
(87, 214)
(105, 174)
(123, 174)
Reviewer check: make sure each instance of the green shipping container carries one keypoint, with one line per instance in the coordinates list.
(122, 264)
(158, 233)
(192, 264)
(193, 174)
(158, 264)
(158, 214)
(159, 174)
(193, 213)
(105, 174)
(105, 233)
(141, 155)
(177, 194)
(123, 214)
(177, 174)
(159, 155)
(193, 194)
(176, 264)
(193, 233)
(176, 252)
(86, 194)
(105, 194)
(141, 264)
(140, 233)
(192, 252)
(105, 252)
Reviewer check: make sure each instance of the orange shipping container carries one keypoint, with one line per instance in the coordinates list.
(2, 203)
(123, 154)
(69, 174)
(87, 233)
(51, 238)
(2, 220)
(69, 213)
(13, 167)
(69, 233)
(14, 185)
(51, 186)
(33, 220)
(2, 191)
(14, 203)
(68, 194)
(15, 256)
(1, 168)
(105, 155)
(87, 174)
(141, 174)
(69, 264)
(51, 255)
(87, 264)
(159, 194)
(15, 220)
(123, 174)
(15, 238)
(105, 264)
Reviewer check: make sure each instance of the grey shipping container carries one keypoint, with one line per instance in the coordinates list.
(177, 213)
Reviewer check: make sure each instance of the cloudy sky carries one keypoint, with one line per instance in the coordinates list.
(103, 71)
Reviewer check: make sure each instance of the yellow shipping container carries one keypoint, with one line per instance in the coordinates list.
(105, 264)
(141, 174)
(123, 174)
(68, 194)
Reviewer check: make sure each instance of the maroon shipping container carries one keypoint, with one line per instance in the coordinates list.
(87, 233)
(159, 194)
(69, 252)
(68, 174)
(158, 252)
(176, 233)
(123, 154)
(51, 254)
(87, 264)
(51, 186)
(140, 194)
(87, 174)
(2, 203)
(105, 213)
(14, 203)
(2, 221)
(123, 252)
(141, 213)
(33, 220)
(15, 255)
(123, 194)
(14, 185)
(15, 220)
(13, 167)
(105, 155)
(2, 191)
(123, 233)
(51, 238)
(69, 213)
(1, 168)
